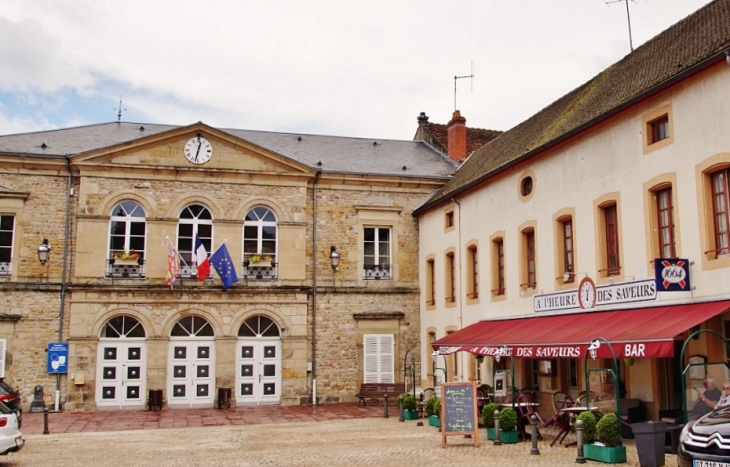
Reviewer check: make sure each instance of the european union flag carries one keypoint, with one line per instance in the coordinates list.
(223, 265)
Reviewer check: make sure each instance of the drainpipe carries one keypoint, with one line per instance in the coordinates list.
(458, 268)
(314, 287)
(63, 274)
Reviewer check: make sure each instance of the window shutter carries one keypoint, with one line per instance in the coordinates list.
(378, 358)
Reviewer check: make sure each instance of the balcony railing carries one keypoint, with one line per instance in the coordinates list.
(374, 272)
(5, 268)
(125, 269)
(260, 272)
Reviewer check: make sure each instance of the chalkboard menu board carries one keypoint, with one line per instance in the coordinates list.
(459, 411)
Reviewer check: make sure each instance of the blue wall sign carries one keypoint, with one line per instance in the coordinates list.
(672, 275)
(58, 357)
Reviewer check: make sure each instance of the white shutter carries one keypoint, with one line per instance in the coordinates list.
(3, 349)
(378, 358)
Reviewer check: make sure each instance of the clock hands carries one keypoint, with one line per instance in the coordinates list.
(200, 143)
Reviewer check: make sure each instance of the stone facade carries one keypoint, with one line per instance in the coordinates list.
(313, 307)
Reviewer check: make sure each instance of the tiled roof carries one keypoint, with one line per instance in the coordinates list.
(475, 137)
(699, 37)
(336, 154)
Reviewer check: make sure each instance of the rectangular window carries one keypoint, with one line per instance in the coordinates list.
(720, 205)
(430, 283)
(378, 358)
(499, 250)
(376, 257)
(449, 219)
(7, 226)
(569, 266)
(665, 223)
(450, 278)
(613, 266)
(659, 129)
(473, 273)
(530, 273)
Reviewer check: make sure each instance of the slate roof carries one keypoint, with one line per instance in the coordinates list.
(336, 154)
(696, 41)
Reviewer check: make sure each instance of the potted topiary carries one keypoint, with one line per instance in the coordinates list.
(589, 426)
(488, 418)
(609, 447)
(409, 407)
(433, 410)
(508, 426)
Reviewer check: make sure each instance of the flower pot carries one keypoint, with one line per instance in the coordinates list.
(260, 264)
(613, 455)
(434, 420)
(509, 437)
(410, 414)
(649, 437)
(126, 262)
(490, 433)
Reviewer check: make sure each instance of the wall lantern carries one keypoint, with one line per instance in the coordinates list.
(334, 257)
(43, 250)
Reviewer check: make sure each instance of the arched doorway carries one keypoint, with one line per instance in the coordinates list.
(191, 363)
(121, 364)
(258, 362)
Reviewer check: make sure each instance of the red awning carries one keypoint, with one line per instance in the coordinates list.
(644, 332)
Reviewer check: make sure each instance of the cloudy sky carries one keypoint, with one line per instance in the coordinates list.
(335, 67)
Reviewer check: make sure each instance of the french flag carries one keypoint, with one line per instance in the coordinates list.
(202, 258)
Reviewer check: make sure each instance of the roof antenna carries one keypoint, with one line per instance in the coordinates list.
(119, 114)
(468, 76)
(628, 17)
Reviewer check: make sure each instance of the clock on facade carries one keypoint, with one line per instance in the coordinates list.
(587, 293)
(198, 150)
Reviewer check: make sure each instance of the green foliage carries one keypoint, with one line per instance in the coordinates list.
(409, 402)
(607, 430)
(400, 398)
(433, 406)
(589, 426)
(507, 419)
(488, 414)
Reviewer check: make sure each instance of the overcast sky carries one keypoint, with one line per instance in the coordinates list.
(334, 67)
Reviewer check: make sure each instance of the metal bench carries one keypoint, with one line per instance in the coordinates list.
(379, 390)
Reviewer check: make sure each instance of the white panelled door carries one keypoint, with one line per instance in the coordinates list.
(121, 364)
(258, 362)
(191, 364)
(191, 373)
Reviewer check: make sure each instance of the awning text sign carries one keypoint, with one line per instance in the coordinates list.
(630, 349)
(609, 294)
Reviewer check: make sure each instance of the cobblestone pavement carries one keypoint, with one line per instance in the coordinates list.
(332, 437)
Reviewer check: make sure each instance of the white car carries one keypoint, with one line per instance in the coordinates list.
(11, 439)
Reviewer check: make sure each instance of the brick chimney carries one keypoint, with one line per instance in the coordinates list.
(456, 130)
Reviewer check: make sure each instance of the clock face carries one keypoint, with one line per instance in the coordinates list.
(587, 293)
(198, 150)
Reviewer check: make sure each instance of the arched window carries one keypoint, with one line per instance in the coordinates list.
(192, 326)
(127, 230)
(259, 234)
(122, 326)
(259, 326)
(194, 219)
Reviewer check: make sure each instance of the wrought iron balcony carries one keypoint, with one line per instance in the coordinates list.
(125, 268)
(377, 272)
(261, 271)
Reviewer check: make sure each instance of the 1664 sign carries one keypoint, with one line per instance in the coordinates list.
(672, 274)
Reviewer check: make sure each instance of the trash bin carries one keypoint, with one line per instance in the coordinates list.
(224, 398)
(155, 402)
(38, 403)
